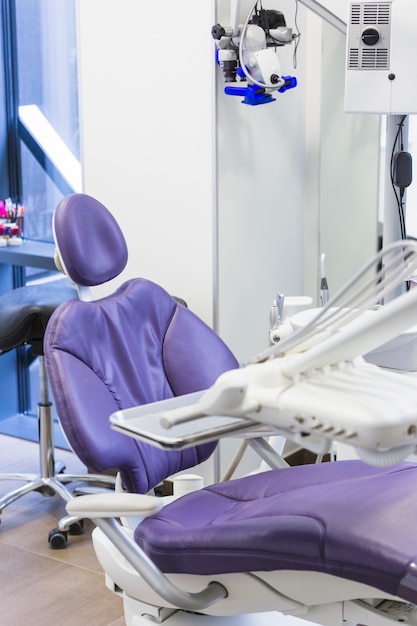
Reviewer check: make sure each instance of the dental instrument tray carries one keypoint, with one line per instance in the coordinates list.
(147, 424)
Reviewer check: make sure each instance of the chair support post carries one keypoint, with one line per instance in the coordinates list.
(153, 576)
(45, 425)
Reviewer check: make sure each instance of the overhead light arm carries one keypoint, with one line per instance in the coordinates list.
(322, 11)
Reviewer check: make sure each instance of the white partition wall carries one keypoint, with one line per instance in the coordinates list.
(146, 103)
(261, 182)
(349, 172)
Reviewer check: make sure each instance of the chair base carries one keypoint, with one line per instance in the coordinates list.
(138, 614)
(50, 485)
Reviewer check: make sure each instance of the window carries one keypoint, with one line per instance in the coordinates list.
(40, 156)
(44, 61)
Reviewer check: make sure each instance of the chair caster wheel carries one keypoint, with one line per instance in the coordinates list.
(77, 528)
(57, 538)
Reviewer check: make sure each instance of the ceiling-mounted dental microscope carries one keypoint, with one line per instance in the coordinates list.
(247, 54)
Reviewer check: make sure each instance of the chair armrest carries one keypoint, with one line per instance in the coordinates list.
(114, 505)
(104, 508)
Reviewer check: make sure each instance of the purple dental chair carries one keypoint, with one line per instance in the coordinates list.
(332, 543)
(136, 346)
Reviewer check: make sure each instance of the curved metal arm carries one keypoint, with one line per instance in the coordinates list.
(153, 576)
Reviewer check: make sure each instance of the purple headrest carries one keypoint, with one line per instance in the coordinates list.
(89, 241)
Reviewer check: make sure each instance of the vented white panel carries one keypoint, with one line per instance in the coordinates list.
(381, 54)
(363, 16)
(377, 13)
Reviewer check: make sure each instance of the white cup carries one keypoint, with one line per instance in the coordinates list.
(186, 483)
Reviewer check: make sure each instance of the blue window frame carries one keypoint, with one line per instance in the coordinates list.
(39, 152)
(47, 108)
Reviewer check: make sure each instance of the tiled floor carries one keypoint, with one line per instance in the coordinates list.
(40, 585)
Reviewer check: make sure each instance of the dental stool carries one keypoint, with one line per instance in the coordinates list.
(332, 543)
(24, 315)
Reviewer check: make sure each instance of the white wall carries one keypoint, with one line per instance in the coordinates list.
(145, 76)
(349, 172)
(260, 176)
(338, 7)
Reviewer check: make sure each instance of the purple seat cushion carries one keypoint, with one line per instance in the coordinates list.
(344, 518)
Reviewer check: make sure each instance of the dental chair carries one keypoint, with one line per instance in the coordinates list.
(332, 543)
(136, 346)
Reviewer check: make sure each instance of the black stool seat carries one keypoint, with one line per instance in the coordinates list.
(25, 312)
(24, 315)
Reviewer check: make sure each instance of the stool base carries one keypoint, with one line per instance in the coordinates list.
(51, 479)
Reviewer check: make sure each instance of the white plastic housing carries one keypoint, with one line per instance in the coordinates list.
(380, 75)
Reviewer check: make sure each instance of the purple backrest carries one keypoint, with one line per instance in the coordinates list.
(135, 346)
(91, 245)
